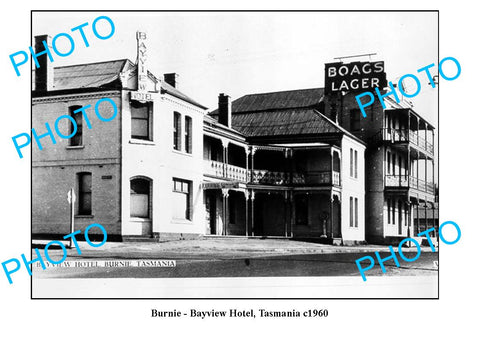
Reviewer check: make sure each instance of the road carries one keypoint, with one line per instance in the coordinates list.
(244, 265)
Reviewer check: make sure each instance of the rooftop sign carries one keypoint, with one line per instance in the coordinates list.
(354, 77)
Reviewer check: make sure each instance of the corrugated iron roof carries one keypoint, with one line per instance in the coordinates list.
(284, 113)
(297, 121)
(278, 100)
(95, 75)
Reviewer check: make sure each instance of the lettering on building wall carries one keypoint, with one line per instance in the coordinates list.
(353, 77)
(141, 96)
(142, 61)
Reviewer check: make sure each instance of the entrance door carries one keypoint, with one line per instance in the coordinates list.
(258, 216)
(212, 212)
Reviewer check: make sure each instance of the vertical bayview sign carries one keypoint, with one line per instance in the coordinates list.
(141, 94)
(142, 61)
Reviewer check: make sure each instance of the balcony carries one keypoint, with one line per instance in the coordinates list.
(409, 182)
(226, 171)
(403, 135)
(267, 177)
(308, 178)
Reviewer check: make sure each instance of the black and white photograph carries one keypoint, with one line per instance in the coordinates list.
(246, 152)
(197, 167)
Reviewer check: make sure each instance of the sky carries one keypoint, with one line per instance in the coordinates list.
(256, 52)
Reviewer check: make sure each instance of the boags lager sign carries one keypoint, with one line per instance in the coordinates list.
(354, 77)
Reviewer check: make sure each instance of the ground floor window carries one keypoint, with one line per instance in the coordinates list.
(84, 193)
(354, 212)
(182, 199)
(140, 198)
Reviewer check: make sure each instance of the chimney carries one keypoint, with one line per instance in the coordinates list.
(44, 73)
(171, 79)
(224, 110)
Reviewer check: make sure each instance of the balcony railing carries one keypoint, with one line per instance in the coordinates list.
(402, 135)
(269, 177)
(395, 135)
(308, 178)
(409, 182)
(236, 173)
(227, 171)
(415, 139)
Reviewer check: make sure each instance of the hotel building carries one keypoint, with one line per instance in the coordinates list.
(293, 164)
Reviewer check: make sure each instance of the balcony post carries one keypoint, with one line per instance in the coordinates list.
(252, 217)
(331, 166)
(247, 153)
(225, 210)
(418, 131)
(426, 219)
(252, 152)
(246, 193)
(291, 205)
(426, 175)
(418, 216)
(408, 127)
(225, 156)
(286, 211)
(417, 173)
(426, 137)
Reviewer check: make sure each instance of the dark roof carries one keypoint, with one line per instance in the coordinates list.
(284, 113)
(101, 74)
(298, 121)
(87, 75)
(277, 100)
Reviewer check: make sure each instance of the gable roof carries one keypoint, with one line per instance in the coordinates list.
(277, 100)
(104, 74)
(284, 113)
(284, 122)
(87, 75)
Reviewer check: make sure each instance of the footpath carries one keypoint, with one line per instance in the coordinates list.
(211, 247)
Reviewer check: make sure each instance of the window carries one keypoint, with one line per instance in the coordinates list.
(140, 198)
(400, 163)
(141, 120)
(393, 211)
(394, 157)
(388, 163)
(356, 212)
(389, 211)
(356, 164)
(301, 209)
(85, 193)
(355, 120)
(353, 163)
(77, 139)
(351, 211)
(177, 132)
(182, 199)
(188, 134)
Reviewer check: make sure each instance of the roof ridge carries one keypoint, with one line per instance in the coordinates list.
(297, 90)
(98, 62)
